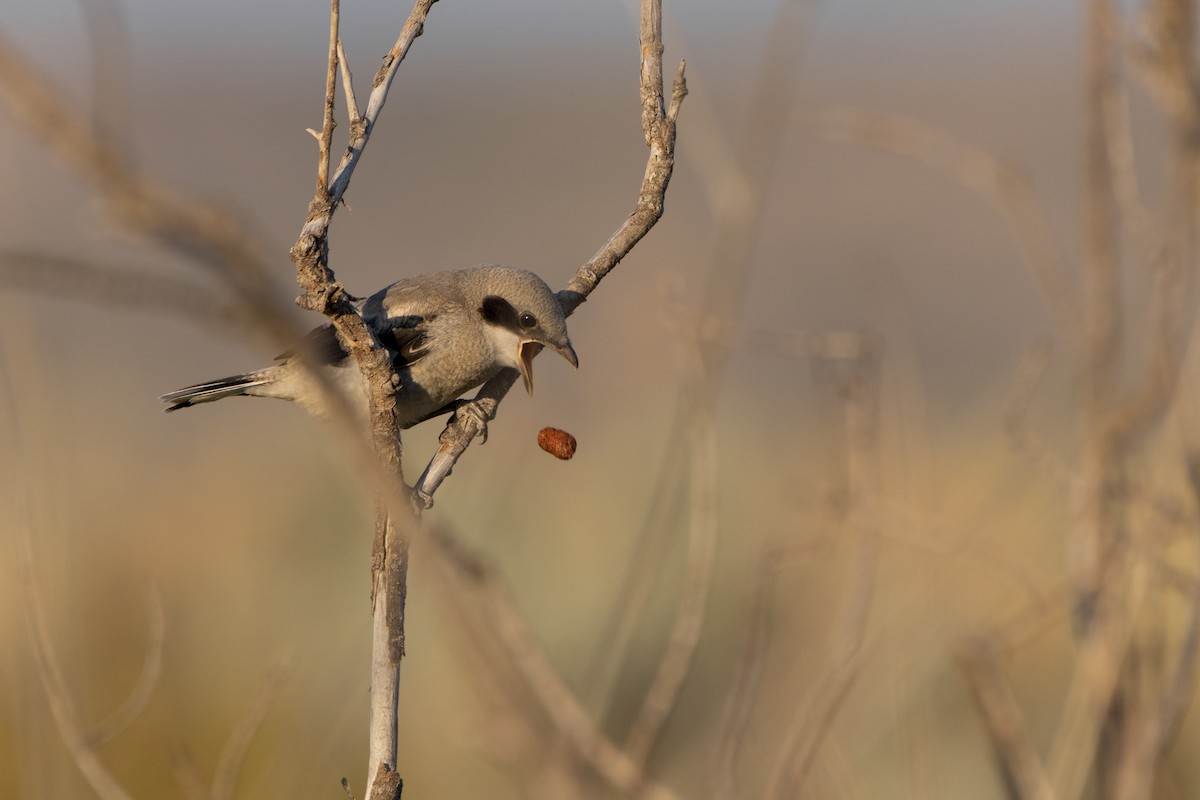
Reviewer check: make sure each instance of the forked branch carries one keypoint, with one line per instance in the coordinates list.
(658, 127)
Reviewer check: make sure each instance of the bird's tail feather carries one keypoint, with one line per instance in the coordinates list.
(214, 390)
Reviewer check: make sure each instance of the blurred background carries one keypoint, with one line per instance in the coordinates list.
(512, 134)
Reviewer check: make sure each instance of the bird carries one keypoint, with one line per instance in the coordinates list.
(446, 333)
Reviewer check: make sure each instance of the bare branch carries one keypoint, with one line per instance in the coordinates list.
(659, 130)
(395, 519)
(328, 124)
(727, 276)
(413, 27)
(386, 785)
(348, 87)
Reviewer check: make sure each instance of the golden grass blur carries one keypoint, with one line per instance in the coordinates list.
(235, 515)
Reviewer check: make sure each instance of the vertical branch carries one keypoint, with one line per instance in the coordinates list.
(728, 273)
(328, 124)
(395, 518)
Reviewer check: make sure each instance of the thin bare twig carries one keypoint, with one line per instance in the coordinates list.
(325, 140)
(738, 220)
(348, 87)
(414, 26)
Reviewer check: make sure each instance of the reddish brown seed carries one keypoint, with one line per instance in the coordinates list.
(559, 444)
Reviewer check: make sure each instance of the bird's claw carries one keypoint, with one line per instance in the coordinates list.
(477, 411)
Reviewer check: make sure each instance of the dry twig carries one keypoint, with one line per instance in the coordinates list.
(658, 127)
(738, 219)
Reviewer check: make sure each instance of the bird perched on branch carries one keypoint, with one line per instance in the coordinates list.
(446, 333)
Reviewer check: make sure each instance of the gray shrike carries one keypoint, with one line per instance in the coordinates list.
(447, 333)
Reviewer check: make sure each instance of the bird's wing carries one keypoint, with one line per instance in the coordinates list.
(405, 338)
(400, 316)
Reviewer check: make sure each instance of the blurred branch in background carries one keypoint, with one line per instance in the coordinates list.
(738, 186)
(739, 707)
(237, 743)
(856, 383)
(71, 728)
(80, 742)
(526, 685)
(982, 172)
(120, 287)
(1115, 727)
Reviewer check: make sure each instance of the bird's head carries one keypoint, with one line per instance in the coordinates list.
(522, 316)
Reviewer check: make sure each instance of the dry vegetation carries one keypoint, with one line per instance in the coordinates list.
(789, 559)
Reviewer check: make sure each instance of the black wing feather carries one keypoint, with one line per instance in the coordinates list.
(405, 338)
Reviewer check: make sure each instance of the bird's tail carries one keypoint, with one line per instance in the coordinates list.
(209, 391)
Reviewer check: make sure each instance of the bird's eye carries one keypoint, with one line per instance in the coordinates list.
(528, 320)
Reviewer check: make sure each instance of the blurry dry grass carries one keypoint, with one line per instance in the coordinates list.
(884, 503)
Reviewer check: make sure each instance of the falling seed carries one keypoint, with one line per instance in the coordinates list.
(559, 444)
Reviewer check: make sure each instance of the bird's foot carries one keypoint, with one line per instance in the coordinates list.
(478, 412)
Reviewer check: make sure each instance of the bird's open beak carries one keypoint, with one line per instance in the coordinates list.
(529, 348)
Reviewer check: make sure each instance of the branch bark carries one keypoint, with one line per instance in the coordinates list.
(395, 519)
